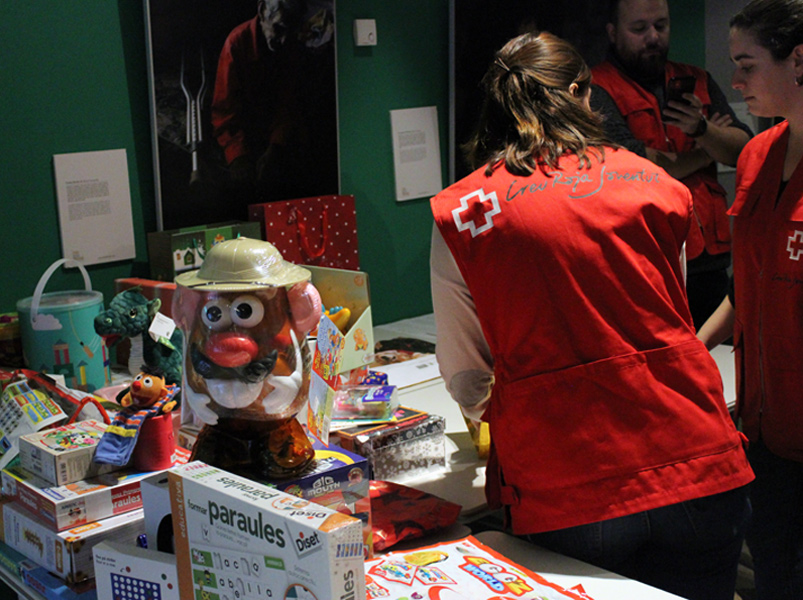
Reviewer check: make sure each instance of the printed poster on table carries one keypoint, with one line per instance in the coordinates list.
(463, 569)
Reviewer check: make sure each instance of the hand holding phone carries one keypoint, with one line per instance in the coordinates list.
(678, 86)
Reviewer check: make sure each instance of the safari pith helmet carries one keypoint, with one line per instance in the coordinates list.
(243, 264)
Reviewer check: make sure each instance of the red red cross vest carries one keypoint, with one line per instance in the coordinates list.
(768, 276)
(643, 116)
(605, 402)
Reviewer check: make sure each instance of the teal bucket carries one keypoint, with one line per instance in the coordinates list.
(58, 333)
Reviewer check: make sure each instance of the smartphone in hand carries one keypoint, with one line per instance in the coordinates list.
(678, 86)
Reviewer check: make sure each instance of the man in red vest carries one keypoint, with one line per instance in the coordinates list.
(686, 136)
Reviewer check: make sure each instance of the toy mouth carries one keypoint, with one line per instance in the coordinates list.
(111, 339)
(253, 372)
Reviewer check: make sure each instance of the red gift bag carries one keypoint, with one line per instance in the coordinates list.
(320, 231)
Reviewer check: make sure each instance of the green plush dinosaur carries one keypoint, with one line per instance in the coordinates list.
(130, 315)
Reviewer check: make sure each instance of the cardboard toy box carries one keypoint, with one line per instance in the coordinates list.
(339, 480)
(65, 454)
(349, 289)
(51, 587)
(67, 554)
(250, 540)
(179, 250)
(67, 506)
(125, 571)
(400, 451)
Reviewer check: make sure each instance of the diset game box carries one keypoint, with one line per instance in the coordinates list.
(238, 538)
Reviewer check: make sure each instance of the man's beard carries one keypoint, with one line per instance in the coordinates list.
(647, 65)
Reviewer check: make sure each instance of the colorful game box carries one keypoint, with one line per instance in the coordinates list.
(127, 572)
(400, 451)
(64, 454)
(340, 480)
(237, 538)
(462, 569)
(67, 554)
(63, 507)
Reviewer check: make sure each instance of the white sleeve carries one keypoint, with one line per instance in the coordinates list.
(463, 354)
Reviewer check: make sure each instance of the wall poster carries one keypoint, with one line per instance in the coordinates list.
(243, 105)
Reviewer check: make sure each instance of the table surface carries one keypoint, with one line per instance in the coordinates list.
(598, 583)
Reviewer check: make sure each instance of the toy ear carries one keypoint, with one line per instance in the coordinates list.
(153, 307)
(306, 307)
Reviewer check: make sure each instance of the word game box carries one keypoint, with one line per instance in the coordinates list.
(238, 538)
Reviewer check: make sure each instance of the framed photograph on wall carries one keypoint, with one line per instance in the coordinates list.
(243, 105)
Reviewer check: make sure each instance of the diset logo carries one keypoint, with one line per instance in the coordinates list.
(306, 543)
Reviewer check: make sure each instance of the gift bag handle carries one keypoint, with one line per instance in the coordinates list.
(302, 234)
(40, 287)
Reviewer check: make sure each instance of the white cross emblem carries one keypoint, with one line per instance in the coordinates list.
(489, 214)
(795, 245)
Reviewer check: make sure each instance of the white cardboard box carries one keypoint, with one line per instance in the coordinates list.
(65, 454)
(67, 554)
(237, 538)
(67, 506)
(128, 571)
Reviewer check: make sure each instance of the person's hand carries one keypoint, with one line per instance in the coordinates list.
(721, 120)
(685, 117)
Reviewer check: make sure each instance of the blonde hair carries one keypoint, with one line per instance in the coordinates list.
(530, 117)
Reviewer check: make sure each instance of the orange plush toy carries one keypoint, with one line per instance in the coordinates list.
(147, 399)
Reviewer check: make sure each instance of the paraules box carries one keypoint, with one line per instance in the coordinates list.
(232, 533)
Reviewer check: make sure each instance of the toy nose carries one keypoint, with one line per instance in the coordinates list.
(136, 385)
(231, 349)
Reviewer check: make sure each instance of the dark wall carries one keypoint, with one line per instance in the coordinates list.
(74, 78)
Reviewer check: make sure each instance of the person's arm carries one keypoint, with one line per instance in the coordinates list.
(462, 351)
(617, 131)
(722, 143)
(613, 122)
(680, 165)
(719, 326)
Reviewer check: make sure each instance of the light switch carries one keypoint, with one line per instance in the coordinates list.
(364, 32)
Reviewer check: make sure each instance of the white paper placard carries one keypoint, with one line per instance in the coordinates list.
(94, 201)
(416, 152)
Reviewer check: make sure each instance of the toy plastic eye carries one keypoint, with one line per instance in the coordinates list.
(139, 377)
(147, 382)
(215, 314)
(247, 311)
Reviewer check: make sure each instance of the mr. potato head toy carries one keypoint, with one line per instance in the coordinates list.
(245, 315)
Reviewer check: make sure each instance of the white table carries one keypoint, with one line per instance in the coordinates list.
(598, 583)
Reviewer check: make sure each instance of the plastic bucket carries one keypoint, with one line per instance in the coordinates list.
(58, 333)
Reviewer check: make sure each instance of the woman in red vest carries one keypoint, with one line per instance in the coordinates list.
(765, 311)
(562, 320)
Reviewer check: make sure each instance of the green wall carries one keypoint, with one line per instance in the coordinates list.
(73, 77)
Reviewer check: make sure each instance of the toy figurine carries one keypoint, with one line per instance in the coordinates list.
(148, 398)
(130, 315)
(245, 315)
